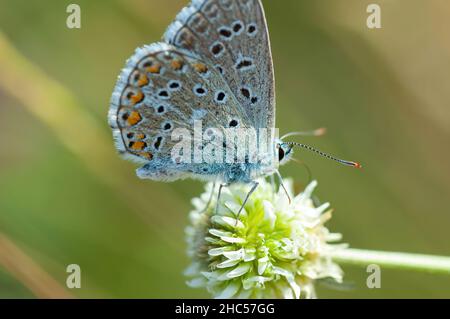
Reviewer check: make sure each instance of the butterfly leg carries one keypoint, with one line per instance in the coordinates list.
(255, 185)
(218, 196)
(282, 185)
(272, 183)
(209, 199)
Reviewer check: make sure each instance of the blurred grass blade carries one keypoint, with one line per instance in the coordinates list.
(29, 273)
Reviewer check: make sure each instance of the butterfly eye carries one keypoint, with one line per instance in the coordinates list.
(281, 154)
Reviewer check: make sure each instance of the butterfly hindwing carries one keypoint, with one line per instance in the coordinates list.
(163, 88)
(233, 35)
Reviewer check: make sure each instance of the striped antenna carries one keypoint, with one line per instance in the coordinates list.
(312, 149)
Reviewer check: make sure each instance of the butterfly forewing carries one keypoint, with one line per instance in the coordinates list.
(233, 35)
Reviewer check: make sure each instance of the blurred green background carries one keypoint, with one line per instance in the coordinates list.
(66, 197)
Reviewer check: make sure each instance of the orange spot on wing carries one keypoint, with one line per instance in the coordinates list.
(176, 64)
(138, 146)
(200, 67)
(134, 118)
(140, 136)
(147, 155)
(155, 68)
(143, 80)
(137, 97)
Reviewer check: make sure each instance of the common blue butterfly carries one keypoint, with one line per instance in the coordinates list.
(214, 65)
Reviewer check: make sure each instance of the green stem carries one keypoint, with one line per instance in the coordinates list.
(396, 260)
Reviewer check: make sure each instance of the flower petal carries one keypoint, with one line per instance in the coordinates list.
(235, 254)
(233, 240)
(269, 213)
(229, 291)
(262, 264)
(239, 271)
(255, 281)
(228, 263)
(197, 282)
(219, 233)
(249, 254)
(227, 221)
(218, 251)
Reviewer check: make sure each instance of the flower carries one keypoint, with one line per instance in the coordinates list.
(275, 249)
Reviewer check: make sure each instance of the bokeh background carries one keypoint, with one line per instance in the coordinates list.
(66, 197)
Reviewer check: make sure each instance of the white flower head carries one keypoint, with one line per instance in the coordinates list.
(275, 249)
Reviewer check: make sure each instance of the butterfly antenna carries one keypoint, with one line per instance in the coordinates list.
(312, 149)
(317, 132)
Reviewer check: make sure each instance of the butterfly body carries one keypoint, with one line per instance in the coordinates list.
(224, 173)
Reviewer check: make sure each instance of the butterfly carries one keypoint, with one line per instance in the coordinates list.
(214, 65)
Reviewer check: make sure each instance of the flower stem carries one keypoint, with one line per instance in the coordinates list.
(395, 260)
